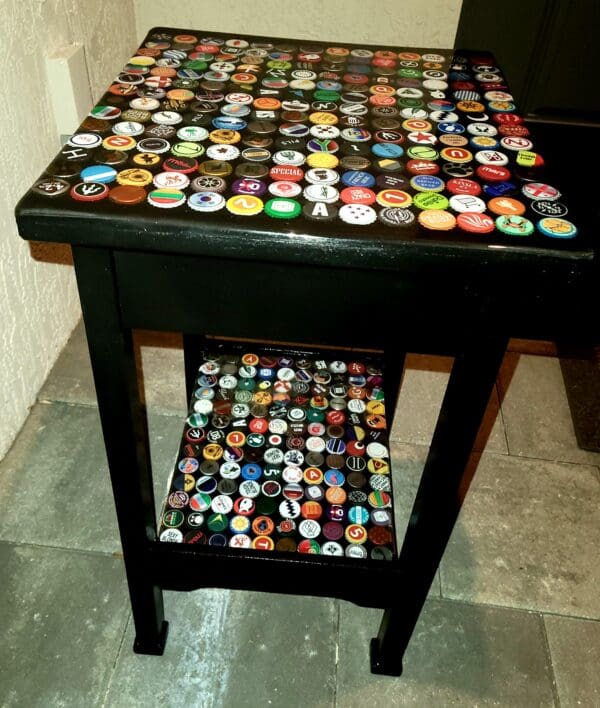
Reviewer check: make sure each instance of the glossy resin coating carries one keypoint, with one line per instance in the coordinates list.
(202, 139)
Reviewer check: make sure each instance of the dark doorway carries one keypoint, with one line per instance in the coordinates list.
(550, 53)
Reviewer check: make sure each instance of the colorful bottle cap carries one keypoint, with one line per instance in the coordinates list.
(467, 203)
(461, 185)
(206, 201)
(506, 205)
(514, 225)
(437, 220)
(135, 177)
(89, 191)
(394, 216)
(355, 534)
(283, 208)
(98, 173)
(357, 195)
(357, 214)
(545, 207)
(394, 198)
(166, 198)
(430, 200)
(456, 154)
(538, 190)
(556, 227)
(128, 195)
(427, 183)
(244, 205)
(475, 223)
(119, 142)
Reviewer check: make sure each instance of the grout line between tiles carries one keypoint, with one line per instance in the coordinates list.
(530, 610)
(115, 662)
(501, 414)
(550, 661)
(337, 652)
(84, 551)
(554, 460)
(169, 413)
(419, 443)
(52, 401)
(438, 575)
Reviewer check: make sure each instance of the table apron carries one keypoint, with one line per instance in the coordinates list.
(298, 303)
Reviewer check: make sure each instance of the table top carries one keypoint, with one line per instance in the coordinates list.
(308, 151)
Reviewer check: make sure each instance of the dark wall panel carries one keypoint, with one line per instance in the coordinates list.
(549, 50)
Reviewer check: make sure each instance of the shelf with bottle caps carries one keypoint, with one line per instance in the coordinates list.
(284, 452)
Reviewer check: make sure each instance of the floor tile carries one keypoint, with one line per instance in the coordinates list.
(575, 652)
(55, 486)
(536, 412)
(459, 654)
(237, 649)
(528, 536)
(421, 395)
(164, 380)
(71, 378)
(62, 615)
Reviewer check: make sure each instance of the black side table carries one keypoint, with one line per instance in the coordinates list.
(410, 228)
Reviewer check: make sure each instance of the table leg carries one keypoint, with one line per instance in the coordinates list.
(125, 432)
(394, 373)
(438, 499)
(192, 343)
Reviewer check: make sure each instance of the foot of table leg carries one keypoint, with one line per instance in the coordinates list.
(156, 647)
(387, 648)
(383, 663)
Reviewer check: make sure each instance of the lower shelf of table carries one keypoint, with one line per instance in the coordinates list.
(284, 453)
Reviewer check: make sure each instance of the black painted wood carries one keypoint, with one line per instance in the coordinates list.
(435, 304)
(192, 344)
(189, 567)
(440, 494)
(125, 432)
(581, 374)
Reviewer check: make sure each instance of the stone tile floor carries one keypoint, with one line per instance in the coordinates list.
(513, 618)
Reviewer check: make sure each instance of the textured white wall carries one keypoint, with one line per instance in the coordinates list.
(38, 301)
(428, 23)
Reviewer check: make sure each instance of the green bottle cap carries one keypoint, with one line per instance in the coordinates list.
(407, 73)
(430, 200)
(195, 65)
(246, 384)
(326, 95)
(410, 103)
(187, 149)
(283, 208)
(217, 522)
(514, 225)
(422, 152)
